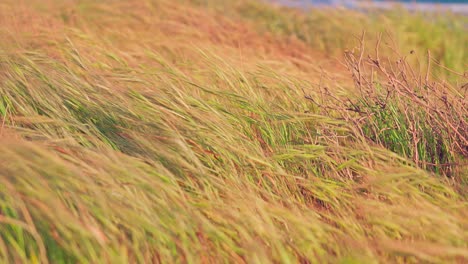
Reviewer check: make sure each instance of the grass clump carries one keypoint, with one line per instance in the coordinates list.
(148, 132)
(423, 119)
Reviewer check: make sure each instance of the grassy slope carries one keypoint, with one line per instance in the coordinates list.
(332, 32)
(151, 131)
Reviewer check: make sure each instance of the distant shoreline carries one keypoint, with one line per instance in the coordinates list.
(460, 8)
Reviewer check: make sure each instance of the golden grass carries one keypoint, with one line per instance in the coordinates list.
(153, 131)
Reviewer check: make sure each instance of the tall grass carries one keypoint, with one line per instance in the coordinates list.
(149, 132)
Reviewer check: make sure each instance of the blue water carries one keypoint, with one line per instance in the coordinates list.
(458, 6)
(331, 2)
(430, 1)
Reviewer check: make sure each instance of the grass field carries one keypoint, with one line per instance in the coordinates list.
(210, 131)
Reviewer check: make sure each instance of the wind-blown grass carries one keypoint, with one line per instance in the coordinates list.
(154, 132)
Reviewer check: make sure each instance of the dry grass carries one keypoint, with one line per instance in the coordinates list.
(415, 115)
(151, 131)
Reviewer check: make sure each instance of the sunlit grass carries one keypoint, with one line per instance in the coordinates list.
(160, 132)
